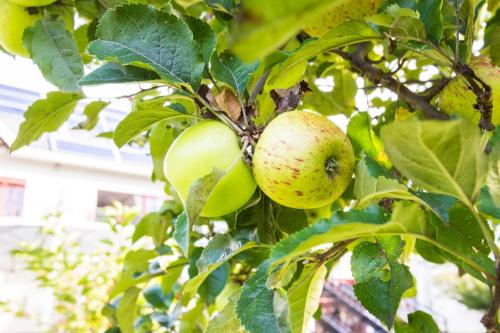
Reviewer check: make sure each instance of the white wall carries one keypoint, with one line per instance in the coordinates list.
(52, 187)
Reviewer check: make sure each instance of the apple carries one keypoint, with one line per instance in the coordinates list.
(303, 160)
(196, 152)
(14, 20)
(457, 98)
(350, 10)
(33, 3)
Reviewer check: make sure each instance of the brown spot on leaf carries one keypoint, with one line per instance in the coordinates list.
(299, 193)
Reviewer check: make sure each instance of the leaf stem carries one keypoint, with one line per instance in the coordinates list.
(219, 115)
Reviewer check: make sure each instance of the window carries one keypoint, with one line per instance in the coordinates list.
(143, 203)
(11, 197)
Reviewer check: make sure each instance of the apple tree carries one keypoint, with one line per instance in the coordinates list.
(265, 193)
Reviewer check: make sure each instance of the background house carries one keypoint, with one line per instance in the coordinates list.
(72, 173)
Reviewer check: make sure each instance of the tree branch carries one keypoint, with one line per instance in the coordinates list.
(489, 319)
(386, 80)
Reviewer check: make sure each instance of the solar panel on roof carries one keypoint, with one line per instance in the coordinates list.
(76, 148)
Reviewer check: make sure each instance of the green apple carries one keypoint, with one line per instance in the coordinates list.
(14, 20)
(457, 98)
(196, 152)
(303, 160)
(350, 10)
(33, 3)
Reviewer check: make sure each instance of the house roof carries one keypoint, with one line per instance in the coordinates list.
(68, 145)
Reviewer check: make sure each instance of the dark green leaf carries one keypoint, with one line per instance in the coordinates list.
(380, 289)
(486, 205)
(193, 284)
(255, 307)
(182, 232)
(136, 34)
(440, 203)
(289, 220)
(203, 35)
(229, 69)
(116, 73)
(430, 15)
(214, 284)
(55, 52)
(156, 297)
(45, 115)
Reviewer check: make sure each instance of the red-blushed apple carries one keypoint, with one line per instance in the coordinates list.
(303, 160)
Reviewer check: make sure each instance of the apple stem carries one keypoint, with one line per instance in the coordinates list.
(331, 167)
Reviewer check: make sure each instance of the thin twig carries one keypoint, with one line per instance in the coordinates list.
(379, 77)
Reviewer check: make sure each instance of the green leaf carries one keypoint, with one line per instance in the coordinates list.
(430, 15)
(493, 178)
(140, 35)
(198, 195)
(378, 288)
(407, 219)
(348, 33)
(135, 264)
(220, 247)
(486, 205)
(289, 220)
(116, 73)
(439, 203)
(339, 101)
(127, 310)
(45, 115)
(369, 187)
(159, 142)
(231, 70)
(255, 308)
(203, 35)
(214, 284)
(418, 322)
(227, 320)
(182, 232)
(172, 274)
(463, 221)
(54, 51)
(364, 138)
(153, 225)
(262, 215)
(304, 296)
(440, 157)
(193, 284)
(407, 28)
(141, 120)
(92, 111)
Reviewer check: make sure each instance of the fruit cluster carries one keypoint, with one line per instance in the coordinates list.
(302, 160)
